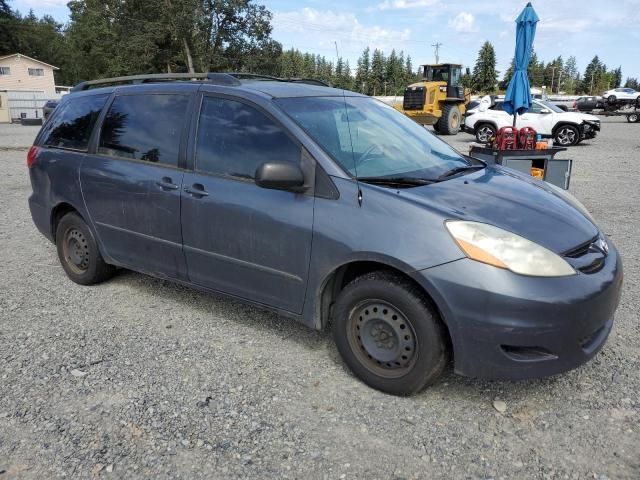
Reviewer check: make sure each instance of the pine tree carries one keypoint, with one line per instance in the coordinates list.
(508, 74)
(592, 76)
(485, 75)
(632, 83)
(617, 77)
(378, 70)
(363, 71)
(570, 75)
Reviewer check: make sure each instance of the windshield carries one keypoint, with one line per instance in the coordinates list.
(368, 138)
(552, 107)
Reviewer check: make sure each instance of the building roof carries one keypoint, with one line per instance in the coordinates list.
(3, 57)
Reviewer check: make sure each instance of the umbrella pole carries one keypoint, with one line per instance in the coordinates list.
(514, 119)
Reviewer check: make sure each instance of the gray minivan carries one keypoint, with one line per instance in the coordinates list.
(332, 208)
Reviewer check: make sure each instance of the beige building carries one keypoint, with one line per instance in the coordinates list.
(19, 72)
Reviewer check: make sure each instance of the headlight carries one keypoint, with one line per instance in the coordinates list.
(492, 245)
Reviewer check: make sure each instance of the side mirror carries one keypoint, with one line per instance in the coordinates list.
(280, 176)
(545, 110)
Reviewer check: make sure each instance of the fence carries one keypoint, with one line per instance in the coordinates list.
(27, 104)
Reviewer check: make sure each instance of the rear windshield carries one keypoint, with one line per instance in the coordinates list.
(370, 139)
(73, 122)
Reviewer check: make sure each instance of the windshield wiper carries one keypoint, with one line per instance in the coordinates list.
(398, 181)
(456, 170)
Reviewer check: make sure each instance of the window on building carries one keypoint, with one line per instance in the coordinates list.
(5, 70)
(73, 121)
(145, 127)
(235, 138)
(36, 72)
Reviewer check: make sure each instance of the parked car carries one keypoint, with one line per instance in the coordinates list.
(588, 104)
(566, 128)
(617, 94)
(331, 208)
(48, 108)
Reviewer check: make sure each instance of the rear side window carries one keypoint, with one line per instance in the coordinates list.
(145, 127)
(235, 138)
(73, 122)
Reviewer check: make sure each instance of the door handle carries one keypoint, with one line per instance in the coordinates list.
(167, 184)
(197, 190)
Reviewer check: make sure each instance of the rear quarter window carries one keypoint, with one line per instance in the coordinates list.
(73, 123)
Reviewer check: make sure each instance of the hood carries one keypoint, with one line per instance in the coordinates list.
(578, 117)
(511, 201)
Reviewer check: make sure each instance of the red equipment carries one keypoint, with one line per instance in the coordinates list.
(527, 138)
(506, 139)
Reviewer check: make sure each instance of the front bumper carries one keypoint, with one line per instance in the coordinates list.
(509, 326)
(589, 129)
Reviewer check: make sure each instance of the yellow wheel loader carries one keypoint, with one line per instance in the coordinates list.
(439, 99)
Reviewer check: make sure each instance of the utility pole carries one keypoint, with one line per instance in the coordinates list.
(436, 47)
(591, 89)
(553, 75)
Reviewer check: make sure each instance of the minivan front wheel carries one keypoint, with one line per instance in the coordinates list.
(388, 334)
(78, 252)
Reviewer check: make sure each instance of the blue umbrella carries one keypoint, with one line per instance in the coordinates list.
(518, 96)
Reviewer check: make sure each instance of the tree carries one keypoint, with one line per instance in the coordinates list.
(363, 71)
(617, 77)
(632, 83)
(378, 71)
(508, 74)
(593, 76)
(485, 75)
(570, 75)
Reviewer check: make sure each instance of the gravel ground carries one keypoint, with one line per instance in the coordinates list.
(140, 378)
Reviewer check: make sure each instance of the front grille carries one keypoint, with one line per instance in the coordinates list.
(581, 249)
(413, 98)
(587, 257)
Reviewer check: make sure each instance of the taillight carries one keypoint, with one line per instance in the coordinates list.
(31, 156)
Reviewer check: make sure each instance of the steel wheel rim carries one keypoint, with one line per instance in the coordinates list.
(484, 133)
(455, 120)
(75, 249)
(633, 118)
(566, 136)
(382, 338)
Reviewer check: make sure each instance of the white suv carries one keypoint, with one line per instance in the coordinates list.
(566, 128)
(620, 94)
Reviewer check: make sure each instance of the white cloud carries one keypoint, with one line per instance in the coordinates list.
(464, 22)
(322, 28)
(405, 4)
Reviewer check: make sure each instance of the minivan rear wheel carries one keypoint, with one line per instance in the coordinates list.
(388, 334)
(78, 252)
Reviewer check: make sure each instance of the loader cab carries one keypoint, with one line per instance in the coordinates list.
(450, 73)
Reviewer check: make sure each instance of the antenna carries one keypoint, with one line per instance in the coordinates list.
(436, 47)
(346, 112)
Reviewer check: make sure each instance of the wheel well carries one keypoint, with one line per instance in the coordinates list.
(562, 124)
(57, 213)
(484, 122)
(345, 274)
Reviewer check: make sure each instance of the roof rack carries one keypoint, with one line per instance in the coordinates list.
(228, 79)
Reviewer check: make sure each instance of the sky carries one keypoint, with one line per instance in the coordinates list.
(609, 29)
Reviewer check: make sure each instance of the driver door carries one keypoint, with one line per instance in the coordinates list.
(538, 117)
(239, 238)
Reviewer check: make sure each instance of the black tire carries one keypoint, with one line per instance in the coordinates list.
(566, 135)
(638, 102)
(388, 334)
(451, 119)
(484, 132)
(436, 127)
(612, 99)
(633, 117)
(78, 252)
